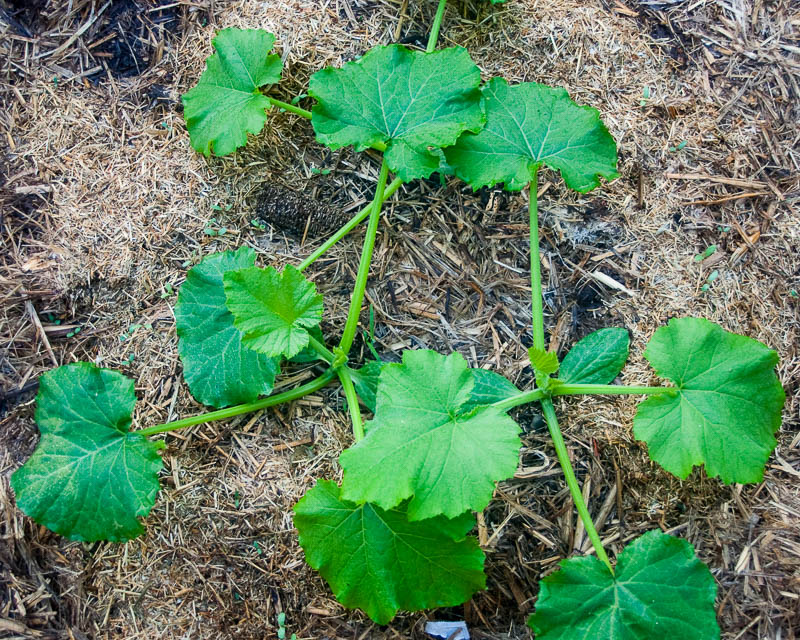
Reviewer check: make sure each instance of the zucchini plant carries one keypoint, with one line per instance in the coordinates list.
(394, 534)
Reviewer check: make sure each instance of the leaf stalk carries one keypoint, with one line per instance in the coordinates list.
(352, 403)
(537, 305)
(561, 389)
(437, 25)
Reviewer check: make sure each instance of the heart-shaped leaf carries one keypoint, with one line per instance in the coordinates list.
(529, 125)
(596, 359)
(660, 590)
(422, 445)
(226, 104)
(89, 477)
(218, 368)
(727, 406)
(413, 102)
(378, 561)
(275, 311)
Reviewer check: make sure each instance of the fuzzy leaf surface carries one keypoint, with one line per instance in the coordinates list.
(226, 104)
(218, 368)
(275, 311)
(413, 102)
(528, 125)
(727, 407)
(596, 359)
(378, 561)
(89, 477)
(661, 590)
(422, 444)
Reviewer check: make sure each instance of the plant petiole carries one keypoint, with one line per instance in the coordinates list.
(437, 25)
(352, 403)
(349, 226)
(523, 398)
(349, 333)
(572, 482)
(305, 113)
(537, 307)
(326, 354)
(561, 389)
(230, 412)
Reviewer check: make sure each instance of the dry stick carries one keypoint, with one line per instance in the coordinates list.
(40, 330)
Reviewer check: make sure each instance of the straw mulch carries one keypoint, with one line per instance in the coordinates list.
(105, 206)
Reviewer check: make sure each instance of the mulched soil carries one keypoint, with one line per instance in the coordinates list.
(103, 207)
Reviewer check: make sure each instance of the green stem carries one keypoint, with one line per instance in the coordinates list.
(290, 108)
(522, 398)
(323, 351)
(352, 403)
(572, 482)
(354, 312)
(536, 265)
(560, 389)
(437, 24)
(349, 226)
(230, 412)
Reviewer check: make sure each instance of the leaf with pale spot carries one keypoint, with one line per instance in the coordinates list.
(89, 478)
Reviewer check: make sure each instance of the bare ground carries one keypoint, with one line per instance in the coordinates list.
(105, 206)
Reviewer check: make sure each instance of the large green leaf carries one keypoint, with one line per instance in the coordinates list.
(661, 590)
(529, 125)
(219, 370)
(226, 104)
(422, 445)
(275, 311)
(727, 406)
(89, 477)
(413, 102)
(380, 562)
(596, 359)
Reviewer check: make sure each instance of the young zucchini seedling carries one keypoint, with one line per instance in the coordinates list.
(395, 534)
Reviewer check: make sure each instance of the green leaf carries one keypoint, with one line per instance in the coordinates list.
(490, 387)
(413, 102)
(89, 478)
(422, 445)
(529, 125)
(727, 407)
(365, 381)
(226, 104)
(661, 590)
(274, 311)
(219, 370)
(380, 562)
(543, 362)
(596, 359)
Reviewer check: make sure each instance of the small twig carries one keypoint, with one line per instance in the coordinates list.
(734, 182)
(40, 329)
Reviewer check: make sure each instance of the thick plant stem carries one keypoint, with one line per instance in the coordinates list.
(230, 412)
(536, 265)
(350, 327)
(522, 398)
(349, 226)
(290, 108)
(323, 351)
(572, 482)
(352, 403)
(437, 25)
(560, 389)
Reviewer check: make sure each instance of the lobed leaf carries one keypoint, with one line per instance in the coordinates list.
(529, 125)
(596, 359)
(378, 561)
(89, 477)
(727, 406)
(423, 445)
(543, 362)
(660, 590)
(218, 368)
(489, 387)
(275, 311)
(226, 104)
(413, 102)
